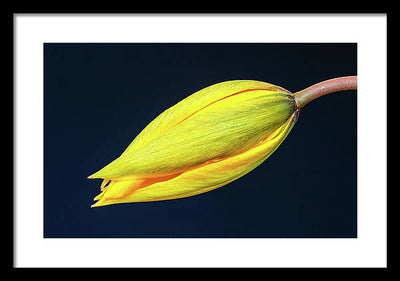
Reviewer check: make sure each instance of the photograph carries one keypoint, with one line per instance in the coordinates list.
(200, 140)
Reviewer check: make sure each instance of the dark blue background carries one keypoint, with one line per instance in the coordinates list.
(98, 97)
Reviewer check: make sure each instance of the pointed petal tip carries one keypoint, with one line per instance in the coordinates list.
(94, 176)
(95, 205)
(98, 197)
(101, 203)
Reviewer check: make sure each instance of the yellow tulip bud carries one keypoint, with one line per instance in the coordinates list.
(205, 141)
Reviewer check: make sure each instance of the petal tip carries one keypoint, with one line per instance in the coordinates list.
(94, 176)
(95, 205)
(98, 197)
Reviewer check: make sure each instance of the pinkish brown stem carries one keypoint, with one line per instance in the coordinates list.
(345, 83)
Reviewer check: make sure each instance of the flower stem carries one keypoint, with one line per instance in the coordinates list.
(345, 83)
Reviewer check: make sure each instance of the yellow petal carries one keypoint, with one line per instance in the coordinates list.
(197, 180)
(119, 189)
(224, 127)
(194, 103)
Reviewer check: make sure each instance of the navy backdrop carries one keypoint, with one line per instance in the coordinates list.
(98, 97)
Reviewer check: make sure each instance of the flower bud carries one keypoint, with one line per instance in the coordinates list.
(205, 141)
